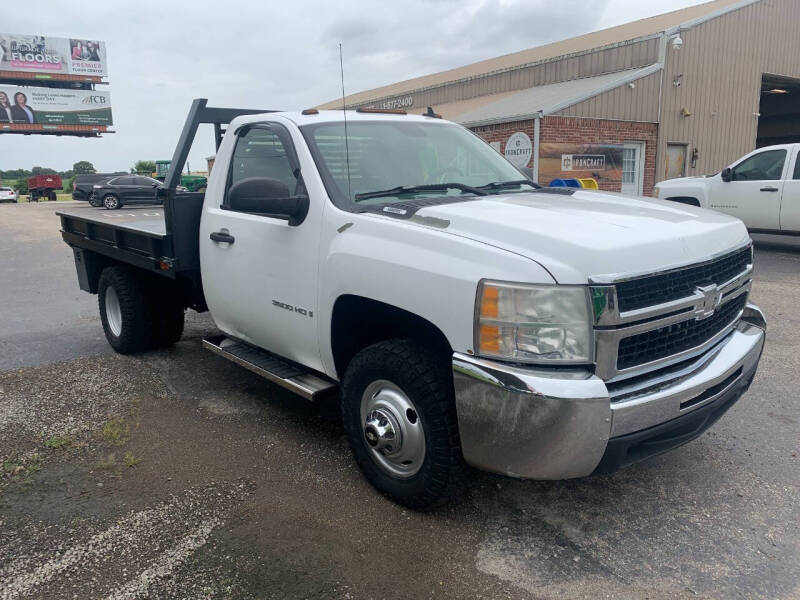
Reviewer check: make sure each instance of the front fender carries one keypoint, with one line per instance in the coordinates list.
(685, 188)
(421, 269)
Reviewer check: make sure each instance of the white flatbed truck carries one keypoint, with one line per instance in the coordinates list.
(463, 315)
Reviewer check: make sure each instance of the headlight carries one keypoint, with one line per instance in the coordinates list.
(97, 187)
(533, 323)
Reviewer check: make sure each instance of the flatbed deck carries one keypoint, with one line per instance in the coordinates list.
(144, 220)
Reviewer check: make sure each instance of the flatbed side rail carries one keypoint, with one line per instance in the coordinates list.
(136, 248)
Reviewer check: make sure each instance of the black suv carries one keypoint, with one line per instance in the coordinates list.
(126, 189)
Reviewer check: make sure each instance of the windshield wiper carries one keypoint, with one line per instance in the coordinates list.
(503, 185)
(411, 189)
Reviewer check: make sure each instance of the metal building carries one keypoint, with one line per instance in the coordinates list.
(682, 93)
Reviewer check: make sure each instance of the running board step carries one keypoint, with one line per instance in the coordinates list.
(285, 373)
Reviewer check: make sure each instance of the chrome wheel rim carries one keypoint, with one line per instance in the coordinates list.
(110, 202)
(113, 311)
(392, 429)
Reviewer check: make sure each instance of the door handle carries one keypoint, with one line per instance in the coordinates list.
(222, 236)
(769, 189)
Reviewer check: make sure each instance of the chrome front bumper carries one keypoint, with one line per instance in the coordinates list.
(563, 423)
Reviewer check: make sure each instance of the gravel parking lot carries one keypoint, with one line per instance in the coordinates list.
(178, 474)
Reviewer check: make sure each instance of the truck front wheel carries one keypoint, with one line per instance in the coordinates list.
(399, 415)
(125, 310)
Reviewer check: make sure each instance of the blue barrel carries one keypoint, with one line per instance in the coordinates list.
(558, 182)
(573, 183)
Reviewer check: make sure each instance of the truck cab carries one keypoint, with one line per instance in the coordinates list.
(761, 188)
(462, 315)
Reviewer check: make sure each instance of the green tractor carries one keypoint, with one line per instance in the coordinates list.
(193, 183)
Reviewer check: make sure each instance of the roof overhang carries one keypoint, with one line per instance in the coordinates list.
(541, 100)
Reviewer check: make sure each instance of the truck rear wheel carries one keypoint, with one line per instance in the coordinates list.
(125, 310)
(400, 417)
(52, 196)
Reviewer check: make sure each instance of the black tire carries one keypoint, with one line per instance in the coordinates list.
(425, 377)
(135, 304)
(52, 196)
(111, 202)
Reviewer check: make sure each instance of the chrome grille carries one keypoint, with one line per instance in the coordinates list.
(668, 329)
(672, 285)
(678, 337)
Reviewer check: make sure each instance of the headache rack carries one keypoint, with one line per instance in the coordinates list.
(163, 239)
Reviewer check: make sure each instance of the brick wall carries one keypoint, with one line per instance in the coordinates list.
(556, 129)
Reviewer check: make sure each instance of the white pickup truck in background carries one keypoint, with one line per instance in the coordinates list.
(460, 313)
(762, 189)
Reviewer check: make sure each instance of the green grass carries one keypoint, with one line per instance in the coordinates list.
(60, 197)
(115, 432)
(58, 441)
(22, 468)
(108, 462)
(131, 460)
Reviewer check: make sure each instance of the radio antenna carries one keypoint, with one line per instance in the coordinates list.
(344, 113)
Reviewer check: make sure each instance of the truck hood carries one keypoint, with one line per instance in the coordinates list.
(590, 234)
(679, 180)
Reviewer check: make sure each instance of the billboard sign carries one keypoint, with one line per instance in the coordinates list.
(22, 107)
(44, 54)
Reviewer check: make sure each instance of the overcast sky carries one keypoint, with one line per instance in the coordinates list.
(276, 55)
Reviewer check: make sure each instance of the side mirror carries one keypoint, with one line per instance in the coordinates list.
(268, 197)
(727, 174)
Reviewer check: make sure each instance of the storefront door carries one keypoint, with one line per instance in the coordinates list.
(633, 168)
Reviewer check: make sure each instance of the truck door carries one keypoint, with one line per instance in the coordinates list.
(790, 202)
(754, 192)
(259, 272)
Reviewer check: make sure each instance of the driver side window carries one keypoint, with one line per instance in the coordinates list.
(260, 153)
(764, 166)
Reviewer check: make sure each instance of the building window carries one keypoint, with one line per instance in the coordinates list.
(629, 165)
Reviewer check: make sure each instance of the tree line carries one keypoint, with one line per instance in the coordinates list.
(82, 167)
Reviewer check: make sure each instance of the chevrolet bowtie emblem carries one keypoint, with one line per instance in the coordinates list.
(711, 299)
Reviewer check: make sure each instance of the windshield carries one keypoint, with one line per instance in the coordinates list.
(384, 155)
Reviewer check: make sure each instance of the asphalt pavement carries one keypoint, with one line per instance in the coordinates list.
(178, 474)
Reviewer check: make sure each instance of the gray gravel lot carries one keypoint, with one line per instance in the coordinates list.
(176, 474)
